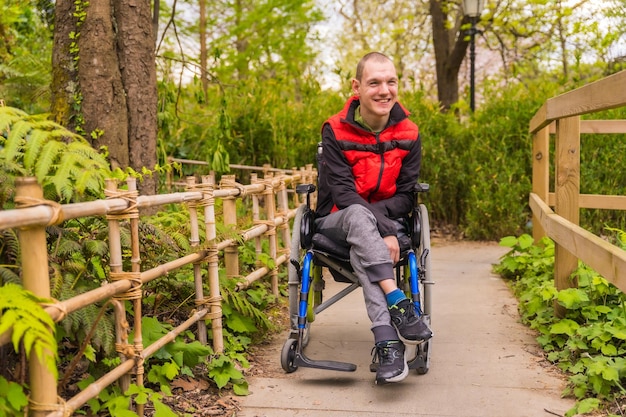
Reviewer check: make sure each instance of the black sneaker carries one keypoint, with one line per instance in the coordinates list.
(411, 328)
(392, 366)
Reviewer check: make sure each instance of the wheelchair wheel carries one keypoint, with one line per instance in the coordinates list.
(424, 256)
(288, 355)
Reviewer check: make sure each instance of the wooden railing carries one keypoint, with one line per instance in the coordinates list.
(561, 116)
(272, 208)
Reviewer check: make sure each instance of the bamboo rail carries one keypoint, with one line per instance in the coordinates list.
(123, 207)
(561, 117)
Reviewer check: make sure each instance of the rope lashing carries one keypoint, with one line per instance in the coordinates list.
(134, 292)
(60, 405)
(231, 183)
(130, 212)
(59, 306)
(27, 202)
(211, 302)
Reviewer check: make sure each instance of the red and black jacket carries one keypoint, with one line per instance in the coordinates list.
(376, 170)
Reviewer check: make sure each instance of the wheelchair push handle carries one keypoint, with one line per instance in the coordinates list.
(422, 187)
(307, 189)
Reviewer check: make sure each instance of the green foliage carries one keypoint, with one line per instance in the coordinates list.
(32, 326)
(589, 342)
(224, 371)
(12, 398)
(25, 50)
(63, 162)
(116, 403)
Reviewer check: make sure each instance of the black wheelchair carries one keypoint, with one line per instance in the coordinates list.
(312, 252)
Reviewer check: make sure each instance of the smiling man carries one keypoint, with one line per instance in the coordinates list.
(368, 167)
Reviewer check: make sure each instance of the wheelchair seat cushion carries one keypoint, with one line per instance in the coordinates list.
(325, 244)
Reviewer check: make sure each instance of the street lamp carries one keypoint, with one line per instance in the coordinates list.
(472, 9)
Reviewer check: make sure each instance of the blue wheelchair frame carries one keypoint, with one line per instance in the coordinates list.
(306, 283)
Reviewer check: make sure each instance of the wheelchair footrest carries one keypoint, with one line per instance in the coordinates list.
(302, 360)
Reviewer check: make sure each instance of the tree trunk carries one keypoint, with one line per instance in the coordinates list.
(104, 79)
(64, 68)
(135, 44)
(104, 106)
(450, 48)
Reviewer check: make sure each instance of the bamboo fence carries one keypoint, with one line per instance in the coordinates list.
(274, 203)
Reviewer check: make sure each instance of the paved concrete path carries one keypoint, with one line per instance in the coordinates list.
(484, 363)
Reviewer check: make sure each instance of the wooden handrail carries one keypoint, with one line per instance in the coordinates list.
(560, 116)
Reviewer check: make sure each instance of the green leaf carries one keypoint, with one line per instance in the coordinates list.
(508, 241)
(588, 405)
(609, 350)
(162, 410)
(239, 323)
(241, 388)
(15, 395)
(526, 241)
(572, 298)
(565, 326)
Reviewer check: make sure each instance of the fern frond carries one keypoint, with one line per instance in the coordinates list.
(9, 245)
(96, 247)
(9, 276)
(33, 147)
(31, 324)
(16, 140)
(67, 246)
(47, 158)
(8, 117)
(56, 281)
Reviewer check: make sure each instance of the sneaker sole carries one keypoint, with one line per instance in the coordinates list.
(409, 341)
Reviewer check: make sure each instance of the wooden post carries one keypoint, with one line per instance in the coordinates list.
(213, 264)
(270, 210)
(256, 218)
(231, 253)
(115, 263)
(283, 208)
(197, 270)
(135, 264)
(541, 175)
(43, 384)
(567, 190)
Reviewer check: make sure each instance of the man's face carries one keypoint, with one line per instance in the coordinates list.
(377, 90)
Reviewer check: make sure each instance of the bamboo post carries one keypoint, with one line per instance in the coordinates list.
(567, 190)
(231, 253)
(283, 209)
(256, 218)
(135, 294)
(115, 264)
(197, 270)
(215, 298)
(270, 214)
(294, 184)
(541, 175)
(43, 383)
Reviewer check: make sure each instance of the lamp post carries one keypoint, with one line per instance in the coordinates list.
(472, 9)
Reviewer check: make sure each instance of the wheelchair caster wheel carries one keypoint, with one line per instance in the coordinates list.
(288, 355)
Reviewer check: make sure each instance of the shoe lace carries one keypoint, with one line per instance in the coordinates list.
(382, 354)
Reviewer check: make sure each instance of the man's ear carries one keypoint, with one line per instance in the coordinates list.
(355, 86)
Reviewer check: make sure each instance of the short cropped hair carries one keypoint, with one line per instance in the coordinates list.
(378, 56)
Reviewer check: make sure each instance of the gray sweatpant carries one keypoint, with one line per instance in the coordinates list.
(369, 258)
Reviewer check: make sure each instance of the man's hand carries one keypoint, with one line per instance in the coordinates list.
(394, 248)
